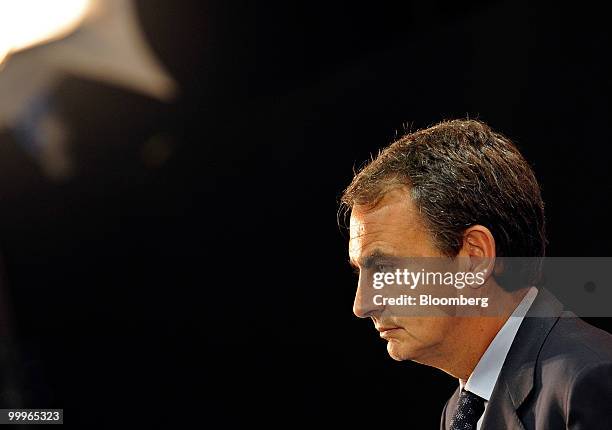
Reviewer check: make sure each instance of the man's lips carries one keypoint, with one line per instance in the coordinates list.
(385, 331)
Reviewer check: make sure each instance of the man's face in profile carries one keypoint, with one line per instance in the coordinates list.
(394, 228)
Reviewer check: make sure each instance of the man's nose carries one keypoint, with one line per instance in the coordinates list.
(364, 305)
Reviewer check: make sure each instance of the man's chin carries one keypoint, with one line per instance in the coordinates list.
(396, 352)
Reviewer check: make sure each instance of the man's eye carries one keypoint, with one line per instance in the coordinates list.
(381, 268)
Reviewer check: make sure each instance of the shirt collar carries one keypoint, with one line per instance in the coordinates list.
(484, 376)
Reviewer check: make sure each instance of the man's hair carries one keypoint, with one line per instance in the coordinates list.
(461, 173)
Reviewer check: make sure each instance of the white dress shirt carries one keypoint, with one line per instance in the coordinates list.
(484, 376)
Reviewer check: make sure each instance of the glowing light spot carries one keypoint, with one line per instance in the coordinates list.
(26, 23)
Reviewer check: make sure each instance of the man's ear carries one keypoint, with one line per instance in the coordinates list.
(479, 249)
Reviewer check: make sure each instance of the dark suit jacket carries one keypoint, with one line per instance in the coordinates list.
(557, 375)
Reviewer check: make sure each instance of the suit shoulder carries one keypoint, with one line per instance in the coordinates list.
(573, 366)
(574, 344)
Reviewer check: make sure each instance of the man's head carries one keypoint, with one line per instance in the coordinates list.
(454, 189)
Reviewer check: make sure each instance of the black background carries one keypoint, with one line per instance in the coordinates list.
(213, 286)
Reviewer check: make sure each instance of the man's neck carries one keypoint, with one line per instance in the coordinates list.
(463, 352)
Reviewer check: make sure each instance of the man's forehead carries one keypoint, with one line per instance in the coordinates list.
(376, 221)
(365, 225)
(365, 235)
(382, 223)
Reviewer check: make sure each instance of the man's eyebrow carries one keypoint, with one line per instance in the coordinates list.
(369, 260)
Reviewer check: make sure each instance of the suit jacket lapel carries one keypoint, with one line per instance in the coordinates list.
(500, 413)
(515, 381)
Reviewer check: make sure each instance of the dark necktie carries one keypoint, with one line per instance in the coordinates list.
(469, 409)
